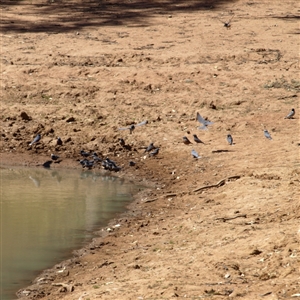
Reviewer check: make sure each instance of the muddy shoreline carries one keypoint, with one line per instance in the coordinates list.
(133, 209)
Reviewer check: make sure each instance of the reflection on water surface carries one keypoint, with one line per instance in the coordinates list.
(47, 213)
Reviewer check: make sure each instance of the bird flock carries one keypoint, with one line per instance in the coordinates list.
(91, 159)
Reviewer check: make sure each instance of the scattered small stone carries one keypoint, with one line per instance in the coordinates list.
(71, 119)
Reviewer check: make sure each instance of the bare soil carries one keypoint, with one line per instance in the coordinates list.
(225, 225)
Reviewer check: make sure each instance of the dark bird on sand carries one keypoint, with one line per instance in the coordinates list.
(122, 142)
(133, 126)
(54, 157)
(154, 152)
(186, 141)
(96, 158)
(59, 141)
(150, 147)
(196, 139)
(87, 163)
(47, 164)
(85, 154)
(109, 164)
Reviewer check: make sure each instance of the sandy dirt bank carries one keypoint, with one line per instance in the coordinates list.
(225, 225)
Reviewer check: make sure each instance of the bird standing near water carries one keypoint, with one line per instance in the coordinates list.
(35, 140)
(85, 154)
(54, 157)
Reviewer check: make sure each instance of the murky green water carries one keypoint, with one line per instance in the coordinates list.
(45, 214)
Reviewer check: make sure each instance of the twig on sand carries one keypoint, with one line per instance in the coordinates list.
(66, 287)
(170, 195)
(220, 183)
(162, 196)
(232, 218)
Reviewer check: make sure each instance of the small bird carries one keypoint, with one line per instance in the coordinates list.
(203, 121)
(54, 157)
(47, 164)
(122, 142)
(96, 158)
(35, 140)
(59, 141)
(291, 114)
(154, 152)
(131, 163)
(85, 154)
(227, 24)
(195, 154)
(229, 139)
(109, 164)
(133, 126)
(196, 139)
(150, 147)
(186, 141)
(88, 164)
(267, 134)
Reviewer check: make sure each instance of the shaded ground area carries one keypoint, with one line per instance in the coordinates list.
(224, 225)
(65, 16)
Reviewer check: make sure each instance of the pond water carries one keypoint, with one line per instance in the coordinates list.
(45, 214)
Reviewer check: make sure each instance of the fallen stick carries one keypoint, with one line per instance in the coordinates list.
(220, 183)
(232, 218)
(67, 287)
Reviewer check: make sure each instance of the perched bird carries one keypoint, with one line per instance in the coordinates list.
(83, 161)
(35, 140)
(54, 157)
(186, 141)
(195, 154)
(88, 164)
(150, 147)
(122, 142)
(85, 154)
(154, 152)
(291, 114)
(229, 139)
(267, 134)
(196, 139)
(95, 157)
(133, 126)
(203, 121)
(109, 164)
(47, 164)
(59, 141)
